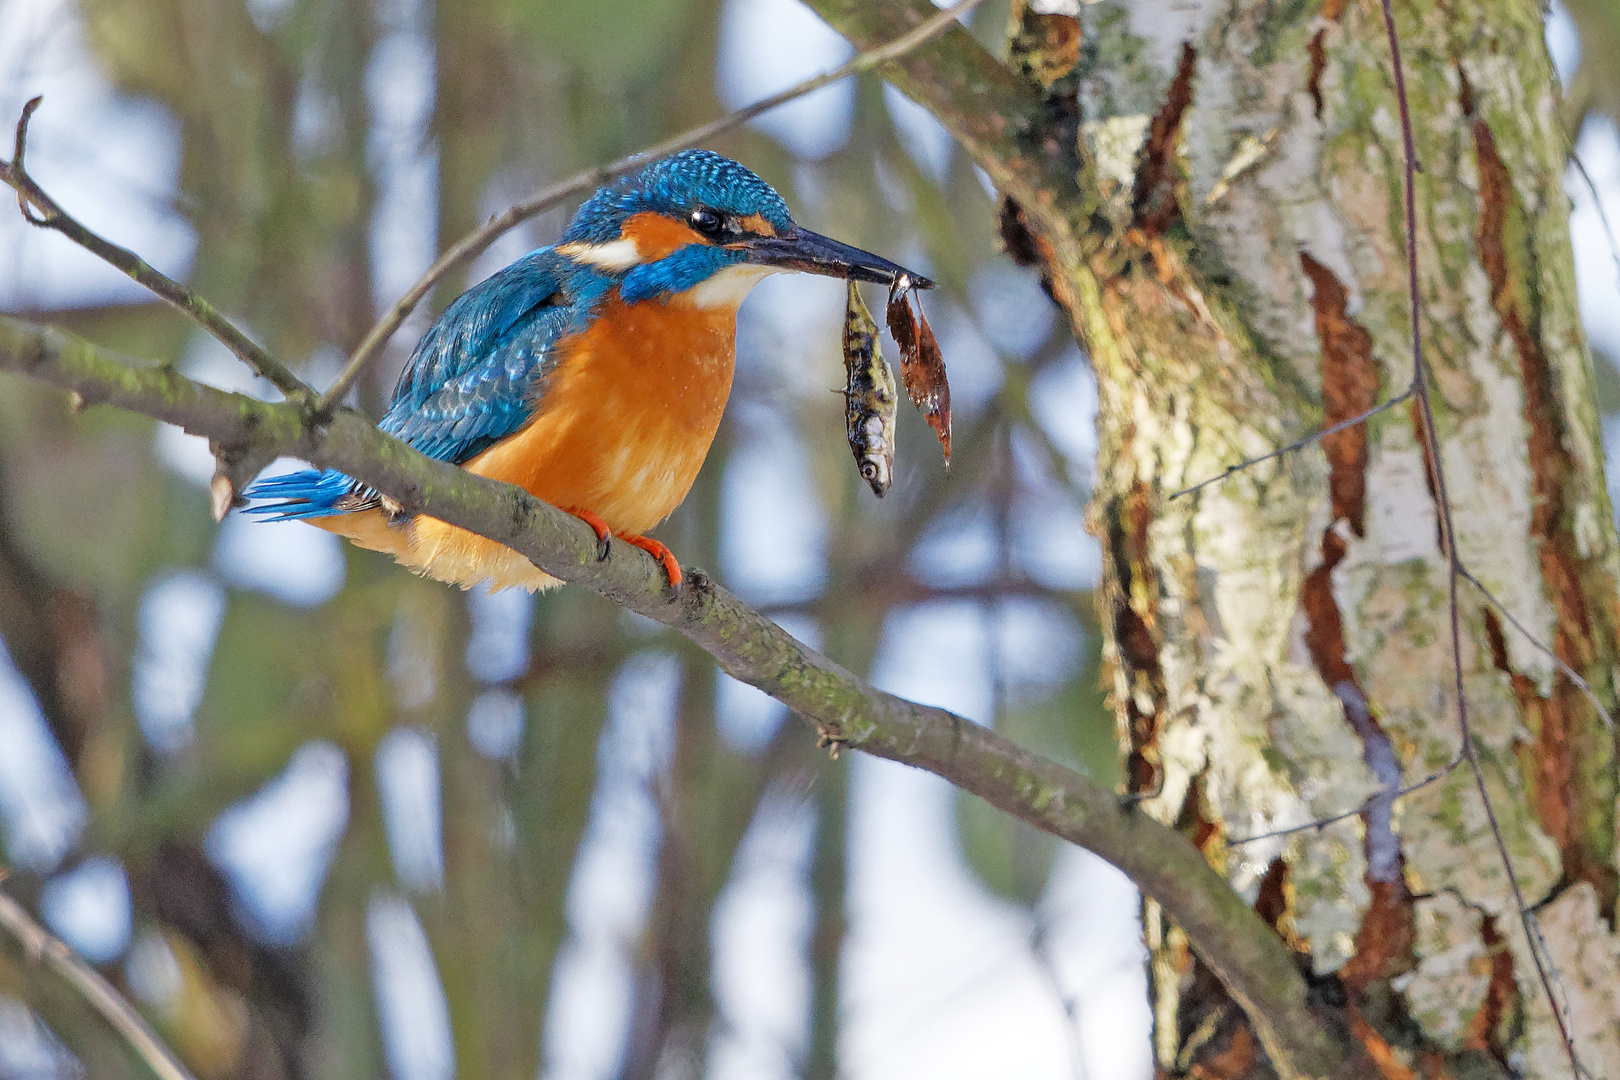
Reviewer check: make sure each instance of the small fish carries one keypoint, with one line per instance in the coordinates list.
(922, 365)
(870, 397)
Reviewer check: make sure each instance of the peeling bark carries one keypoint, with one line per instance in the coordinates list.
(1154, 198)
(1557, 717)
(1278, 642)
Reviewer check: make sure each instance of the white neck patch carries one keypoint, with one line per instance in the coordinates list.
(612, 255)
(728, 287)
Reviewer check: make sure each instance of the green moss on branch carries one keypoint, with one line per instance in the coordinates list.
(1251, 959)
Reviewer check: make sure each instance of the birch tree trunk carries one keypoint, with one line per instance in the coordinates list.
(1280, 641)
(1233, 257)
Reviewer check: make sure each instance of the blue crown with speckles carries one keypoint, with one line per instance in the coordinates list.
(676, 184)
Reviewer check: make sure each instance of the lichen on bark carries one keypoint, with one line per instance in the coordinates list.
(1290, 651)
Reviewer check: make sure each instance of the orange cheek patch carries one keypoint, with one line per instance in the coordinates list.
(757, 225)
(655, 235)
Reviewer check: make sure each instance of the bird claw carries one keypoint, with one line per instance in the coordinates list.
(604, 535)
(662, 554)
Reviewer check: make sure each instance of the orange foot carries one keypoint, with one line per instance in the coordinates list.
(598, 526)
(672, 569)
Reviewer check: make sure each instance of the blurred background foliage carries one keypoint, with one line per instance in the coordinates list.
(320, 818)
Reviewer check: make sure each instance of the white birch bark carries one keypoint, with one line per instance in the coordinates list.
(1280, 643)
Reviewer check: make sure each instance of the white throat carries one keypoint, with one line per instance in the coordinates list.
(729, 287)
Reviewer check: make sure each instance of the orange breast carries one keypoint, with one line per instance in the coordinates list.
(629, 414)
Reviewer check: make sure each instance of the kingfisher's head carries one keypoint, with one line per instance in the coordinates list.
(699, 225)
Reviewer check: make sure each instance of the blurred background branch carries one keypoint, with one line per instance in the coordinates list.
(38, 947)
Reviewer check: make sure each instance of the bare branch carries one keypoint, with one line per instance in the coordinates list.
(19, 149)
(1597, 204)
(1250, 960)
(1300, 444)
(30, 197)
(1366, 804)
(473, 243)
(1429, 435)
(1568, 672)
(38, 944)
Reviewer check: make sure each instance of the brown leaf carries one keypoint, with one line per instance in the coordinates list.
(922, 365)
(902, 323)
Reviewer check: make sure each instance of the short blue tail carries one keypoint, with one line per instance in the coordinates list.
(310, 493)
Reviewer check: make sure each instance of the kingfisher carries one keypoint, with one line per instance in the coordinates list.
(592, 373)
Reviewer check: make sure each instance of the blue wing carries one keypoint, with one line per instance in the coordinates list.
(477, 373)
(475, 378)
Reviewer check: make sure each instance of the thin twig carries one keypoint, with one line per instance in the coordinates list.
(475, 242)
(1359, 418)
(52, 216)
(38, 944)
(1322, 823)
(1539, 941)
(1568, 672)
(1040, 941)
(1597, 204)
(19, 149)
(1429, 433)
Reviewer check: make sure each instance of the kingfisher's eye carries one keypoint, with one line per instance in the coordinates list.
(707, 222)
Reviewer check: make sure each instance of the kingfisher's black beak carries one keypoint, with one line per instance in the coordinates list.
(812, 253)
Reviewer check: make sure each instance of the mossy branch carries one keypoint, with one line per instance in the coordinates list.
(1250, 959)
(40, 947)
(40, 210)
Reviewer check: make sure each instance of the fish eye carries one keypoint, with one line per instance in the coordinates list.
(707, 222)
(868, 470)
